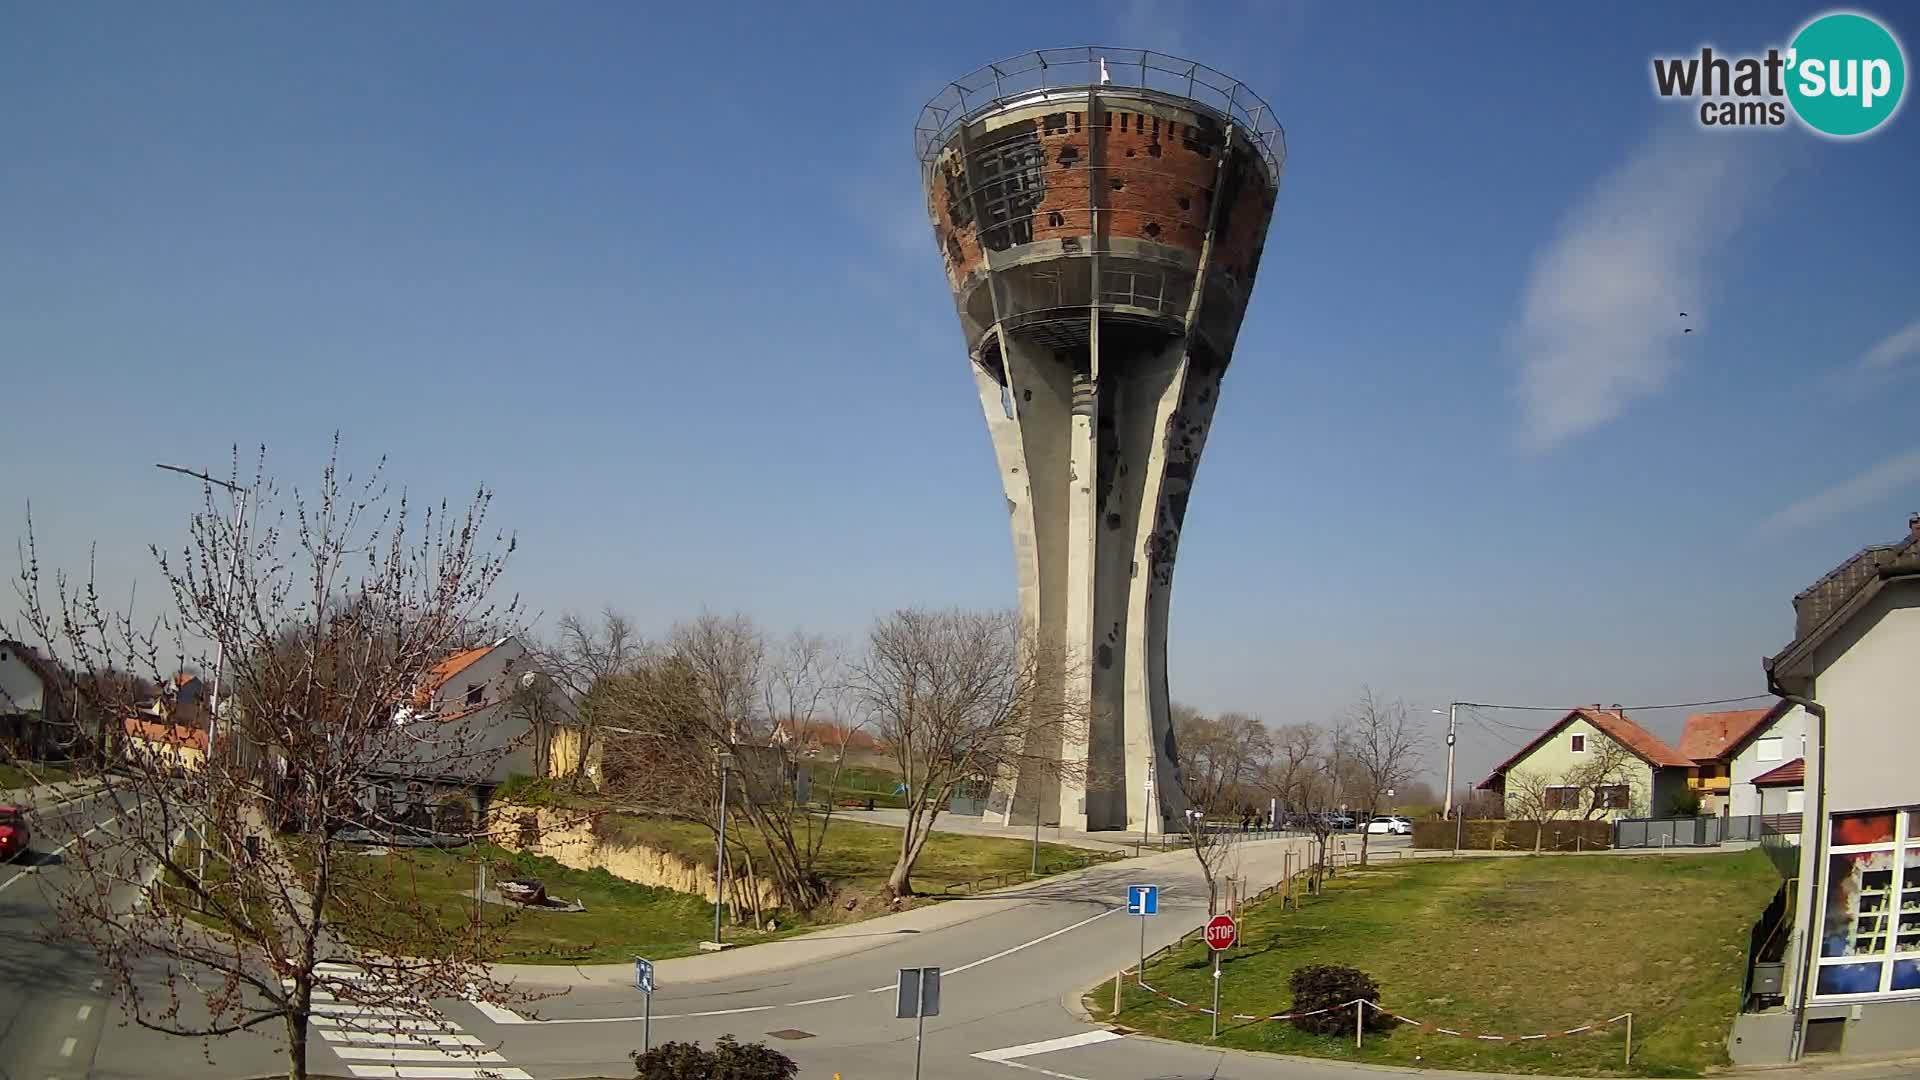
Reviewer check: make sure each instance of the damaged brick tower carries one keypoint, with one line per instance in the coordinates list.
(1154, 179)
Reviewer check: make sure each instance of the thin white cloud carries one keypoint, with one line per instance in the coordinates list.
(1887, 358)
(1600, 327)
(1897, 473)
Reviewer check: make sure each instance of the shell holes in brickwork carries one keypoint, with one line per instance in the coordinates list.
(1056, 219)
(1153, 149)
(1152, 230)
(1117, 183)
(1069, 155)
(1186, 203)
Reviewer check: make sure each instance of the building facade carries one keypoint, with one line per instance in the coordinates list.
(1594, 764)
(1851, 982)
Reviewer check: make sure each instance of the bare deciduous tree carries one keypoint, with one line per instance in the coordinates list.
(1218, 759)
(956, 698)
(1383, 746)
(328, 617)
(579, 656)
(718, 685)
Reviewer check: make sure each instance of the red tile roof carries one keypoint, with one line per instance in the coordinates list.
(1792, 774)
(443, 672)
(1638, 741)
(1708, 736)
(170, 734)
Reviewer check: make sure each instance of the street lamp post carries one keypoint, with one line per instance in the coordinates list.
(240, 496)
(720, 857)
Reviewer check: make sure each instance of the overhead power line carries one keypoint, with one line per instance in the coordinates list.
(1641, 708)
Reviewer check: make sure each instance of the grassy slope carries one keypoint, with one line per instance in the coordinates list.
(1501, 946)
(624, 919)
(13, 776)
(858, 855)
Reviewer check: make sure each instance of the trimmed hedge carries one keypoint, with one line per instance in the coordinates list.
(1500, 835)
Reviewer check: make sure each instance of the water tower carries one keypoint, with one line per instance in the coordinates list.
(1101, 214)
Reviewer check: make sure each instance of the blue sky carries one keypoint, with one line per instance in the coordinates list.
(663, 278)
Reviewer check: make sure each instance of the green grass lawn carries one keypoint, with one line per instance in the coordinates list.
(1512, 946)
(858, 855)
(13, 776)
(622, 920)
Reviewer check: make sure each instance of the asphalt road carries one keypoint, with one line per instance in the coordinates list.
(57, 1021)
(1012, 978)
(1014, 968)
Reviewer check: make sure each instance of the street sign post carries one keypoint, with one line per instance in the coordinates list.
(917, 997)
(1143, 900)
(643, 982)
(1221, 934)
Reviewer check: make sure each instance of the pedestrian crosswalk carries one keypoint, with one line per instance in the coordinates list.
(399, 1039)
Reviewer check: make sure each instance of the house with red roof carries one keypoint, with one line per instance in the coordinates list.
(1734, 748)
(478, 717)
(1593, 764)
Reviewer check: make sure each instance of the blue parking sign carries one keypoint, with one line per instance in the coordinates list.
(1143, 900)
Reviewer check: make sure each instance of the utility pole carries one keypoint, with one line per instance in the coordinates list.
(1453, 717)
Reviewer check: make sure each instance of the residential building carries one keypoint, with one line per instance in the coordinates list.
(1592, 764)
(1708, 739)
(34, 703)
(1778, 740)
(174, 748)
(1855, 906)
(478, 717)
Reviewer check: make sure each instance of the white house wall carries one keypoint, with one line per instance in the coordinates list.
(20, 687)
(1869, 681)
(1743, 798)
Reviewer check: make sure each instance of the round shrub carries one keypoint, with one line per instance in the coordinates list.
(728, 1060)
(1329, 986)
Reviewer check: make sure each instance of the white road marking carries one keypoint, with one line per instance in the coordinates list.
(67, 1045)
(395, 1055)
(1068, 1042)
(383, 1038)
(440, 1071)
(85, 1011)
(346, 1008)
(501, 1015)
(383, 1023)
(35, 868)
(1041, 1071)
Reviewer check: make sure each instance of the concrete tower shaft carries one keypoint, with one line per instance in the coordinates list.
(1101, 214)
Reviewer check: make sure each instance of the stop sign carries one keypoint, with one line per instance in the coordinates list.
(1221, 933)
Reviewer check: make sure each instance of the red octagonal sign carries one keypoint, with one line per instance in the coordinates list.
(1221, 933)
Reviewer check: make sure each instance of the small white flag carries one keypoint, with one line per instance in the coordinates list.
(1104, 80)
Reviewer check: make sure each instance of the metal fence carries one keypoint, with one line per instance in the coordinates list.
(1686, 831)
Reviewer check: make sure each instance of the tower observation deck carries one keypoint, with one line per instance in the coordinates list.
(1101, 213)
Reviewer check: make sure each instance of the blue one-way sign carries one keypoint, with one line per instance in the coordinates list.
(1143, 900)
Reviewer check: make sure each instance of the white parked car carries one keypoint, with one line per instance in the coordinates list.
(1391, 826)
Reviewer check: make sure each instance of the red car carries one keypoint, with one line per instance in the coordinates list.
(14, 834)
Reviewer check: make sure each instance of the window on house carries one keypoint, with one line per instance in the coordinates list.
(474, 692)
(1771, 749)
(1579, 744)
(1562, 798)
(1870, 907)
(1610, 797)
(1796, 799)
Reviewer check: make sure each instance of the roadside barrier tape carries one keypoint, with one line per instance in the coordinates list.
(1595, 1025)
